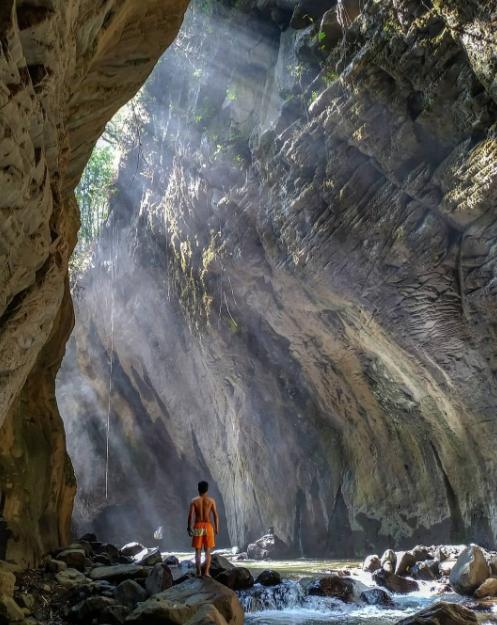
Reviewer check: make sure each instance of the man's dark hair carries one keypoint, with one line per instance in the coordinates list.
(203, 487)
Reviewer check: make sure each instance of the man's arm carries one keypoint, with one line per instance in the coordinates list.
(215, 516)
(191, 513)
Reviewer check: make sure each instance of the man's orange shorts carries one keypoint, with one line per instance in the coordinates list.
(203, 536)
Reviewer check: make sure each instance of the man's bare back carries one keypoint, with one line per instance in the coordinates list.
(202, 509)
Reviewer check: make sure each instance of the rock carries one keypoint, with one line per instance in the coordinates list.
(376, 596)
(159, 610)
(241, 557)
(10, 612)
(131, 549)
(108, 549)
(487, 589)
(268, 578)
(115, 614)
(389, 560)
(119, 572)
(492, 564)
(442, 613)
(103, 559)
(88, 538)
(198, 591)
(171, 561)
(207, 615)
(268, 546)
(395, 583)
(332, 586)
(160, 578)
(7, 581)
(70, 578)
(54, 566)
(153, 556)
(129, 593)
(237, 578)
(421, 554)
(74, 558)
(220, 564)
(470, 571)
(404, 561)
(446, 567)
(371, 564)
(427, 570)
(90, 608)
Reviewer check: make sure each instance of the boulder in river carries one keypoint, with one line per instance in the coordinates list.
(207, 615)
(182, 602)
(395, 583)
(376, 596)
(470, 571)
(389, 560)
(442, 613)
(268, 546)
(405, 560)
(269, 578)
(371, 564)
(487, 589)
(237, 578)
(332, 586)
(428, 570)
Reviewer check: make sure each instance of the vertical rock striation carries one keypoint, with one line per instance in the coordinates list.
(299, 277)
(65, 67)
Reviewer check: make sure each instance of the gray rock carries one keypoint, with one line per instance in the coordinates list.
(428, 570)
(376, 596)
(71, 578)
(118, 572)
(470, 571)
(129, 593)
(90, 608)
(332, 586)
(404, 562)
(160, 578)
(74, 558)
(153, 556)
(236, 578)
(371, 564)
(268, 578)
(55, 566)
(395, 583)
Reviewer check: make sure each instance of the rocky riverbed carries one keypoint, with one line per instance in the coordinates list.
(93, 582)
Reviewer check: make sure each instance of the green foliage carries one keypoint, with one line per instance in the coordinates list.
(93, 193)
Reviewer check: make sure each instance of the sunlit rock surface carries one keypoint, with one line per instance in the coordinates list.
(297, 285)
(65, 67)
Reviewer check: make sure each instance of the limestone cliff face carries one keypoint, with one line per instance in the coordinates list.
(297, 287)
(65, 67)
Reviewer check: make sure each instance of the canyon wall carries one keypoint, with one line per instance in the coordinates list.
(66, 66)
(295, 294)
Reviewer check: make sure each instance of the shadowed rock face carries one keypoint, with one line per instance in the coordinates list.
(300, 274)
(65, 67)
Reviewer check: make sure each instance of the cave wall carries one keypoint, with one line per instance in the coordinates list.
(296, 287)
(65, 67)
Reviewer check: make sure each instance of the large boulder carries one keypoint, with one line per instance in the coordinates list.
(207, 615)
(395, 583)
(442, 613)
(74, 558)
(428, 570)
(487, 589)
(405, 560)
(182, 602)
(470, 571)
(160, 578)
(89, 609)
(237, 578)
(219, 564)
(332, 586)
(389, 560)
(371, 564)
(69, 578)
(129, 593)
(118, 572)
(268, 546)
(269, 578)
(10, 612)
(132, 549)
(150, 557)
(7, 580)
(376, 596)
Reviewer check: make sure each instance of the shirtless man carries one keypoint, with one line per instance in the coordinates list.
(201, 509)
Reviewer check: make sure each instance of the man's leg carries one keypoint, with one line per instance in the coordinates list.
(207, 565)
(198, 558)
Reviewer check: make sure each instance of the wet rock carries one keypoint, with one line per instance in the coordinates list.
(376, 596)
(10, 612)
(108, 549)
(395, 583)
(115, 614)
(118, 572)
(470, 570)
(236, 578)
(405, 560)
(371, 564)
(129, 593)
(71, 578)
(219, 564)
(422, 554)
(153, 556)
(428, 570)
(442, 613)
(487, 589)
(171, 561)
(160, 578)
(492, 564)
(389, 560)
(446, 567)
(269, 578)
(332, 586)
(207, 615)
(240, 557)
(74, 558)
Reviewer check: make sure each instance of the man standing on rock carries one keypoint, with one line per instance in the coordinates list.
(201, 509)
